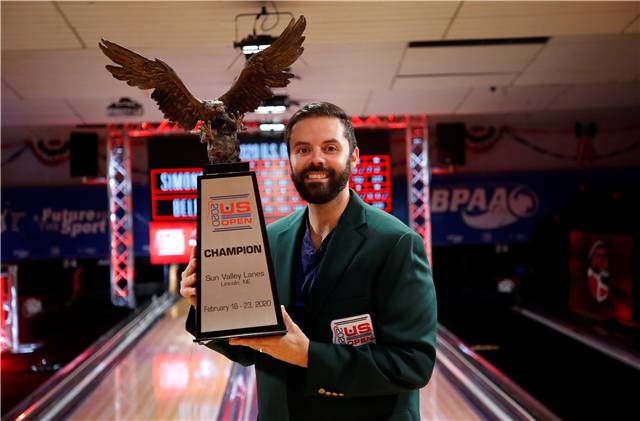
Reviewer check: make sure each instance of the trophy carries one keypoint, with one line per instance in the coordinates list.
(235, 285)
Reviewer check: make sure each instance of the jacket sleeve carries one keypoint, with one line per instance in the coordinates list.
(405, 330)
(241, 354)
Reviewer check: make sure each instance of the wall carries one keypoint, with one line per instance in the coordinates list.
(529, 141)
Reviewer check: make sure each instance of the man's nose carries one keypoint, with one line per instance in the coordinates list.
(317, 156)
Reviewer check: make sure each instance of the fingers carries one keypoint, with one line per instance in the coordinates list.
(288, 322)
(188, 280)
(191, 267)
(236, 341)
(188, 291)
(259, 345)
(252, 342)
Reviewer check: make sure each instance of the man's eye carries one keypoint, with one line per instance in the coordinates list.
(302, 150)
(331, 148)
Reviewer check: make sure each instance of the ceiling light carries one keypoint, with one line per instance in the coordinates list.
(278, 104)
(271, 109)
(271, 127)
(254, 43)
(125, 107)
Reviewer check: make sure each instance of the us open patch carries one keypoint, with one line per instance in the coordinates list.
(355, 330)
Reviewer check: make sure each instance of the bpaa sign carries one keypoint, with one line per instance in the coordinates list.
(484, 208)
(475, 209)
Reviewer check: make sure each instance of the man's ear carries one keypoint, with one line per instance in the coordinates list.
(355, 156)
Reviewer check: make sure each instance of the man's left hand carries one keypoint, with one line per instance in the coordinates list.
(293, 347)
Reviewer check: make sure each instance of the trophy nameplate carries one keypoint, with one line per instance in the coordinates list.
(236, 286)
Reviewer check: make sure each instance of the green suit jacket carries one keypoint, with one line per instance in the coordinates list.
(373, 265)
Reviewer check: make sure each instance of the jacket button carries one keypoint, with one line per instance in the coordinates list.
(334, 394)
(341, 394)
(322, 391)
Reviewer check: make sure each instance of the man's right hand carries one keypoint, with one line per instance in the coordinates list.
(187, 289)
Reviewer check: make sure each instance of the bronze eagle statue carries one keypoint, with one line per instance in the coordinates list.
(221, 118)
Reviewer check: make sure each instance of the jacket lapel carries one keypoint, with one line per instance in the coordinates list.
(344, 244)
(285, 251)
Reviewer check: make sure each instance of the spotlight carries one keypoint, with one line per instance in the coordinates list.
(271, 127)
(125, 107)
(271, 109)
(278, 104)
(254, 44)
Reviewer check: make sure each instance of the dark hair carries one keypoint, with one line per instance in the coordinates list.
(322, 109)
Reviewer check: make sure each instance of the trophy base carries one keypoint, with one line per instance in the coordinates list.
(216, 338)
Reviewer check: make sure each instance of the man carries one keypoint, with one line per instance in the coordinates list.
(361, 339)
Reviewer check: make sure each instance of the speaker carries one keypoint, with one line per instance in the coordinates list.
(83, 154)
(450, 143)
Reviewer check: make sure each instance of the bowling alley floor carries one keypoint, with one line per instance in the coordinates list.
(68, 332)
(167, 376)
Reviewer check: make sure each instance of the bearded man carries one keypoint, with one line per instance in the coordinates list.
(359, 302)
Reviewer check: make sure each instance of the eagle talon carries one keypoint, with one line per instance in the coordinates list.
(205, 132)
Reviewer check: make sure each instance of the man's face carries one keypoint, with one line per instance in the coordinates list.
(320, 158)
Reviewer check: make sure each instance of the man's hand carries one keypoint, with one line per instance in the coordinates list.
(187, 290)
(293, 347)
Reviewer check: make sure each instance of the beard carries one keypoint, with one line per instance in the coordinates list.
(319, 193)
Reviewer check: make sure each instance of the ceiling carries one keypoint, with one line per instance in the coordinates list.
(356, 55)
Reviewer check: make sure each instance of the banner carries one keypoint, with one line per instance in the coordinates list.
(505, 208)
(72, 222)
(65, 222)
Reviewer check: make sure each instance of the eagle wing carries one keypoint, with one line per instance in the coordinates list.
(266, 70)
(172, 96)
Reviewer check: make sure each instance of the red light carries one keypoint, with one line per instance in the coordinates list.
(173, 375)
(170, 375)
(442, 170)
(169, 242)
(372, 120)
(371, 180)
(356, 121)
(397, 125)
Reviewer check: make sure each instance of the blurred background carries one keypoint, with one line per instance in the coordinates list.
(507, 134)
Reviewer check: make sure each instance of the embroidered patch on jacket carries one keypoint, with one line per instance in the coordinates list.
(355, 330)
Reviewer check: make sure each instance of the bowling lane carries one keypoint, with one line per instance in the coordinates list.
(167, 376)
(440, 400)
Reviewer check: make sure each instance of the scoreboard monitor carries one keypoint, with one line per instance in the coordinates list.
(173, 192)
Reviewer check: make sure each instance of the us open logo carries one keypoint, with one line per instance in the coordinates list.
(230, 213)
(355, 331)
